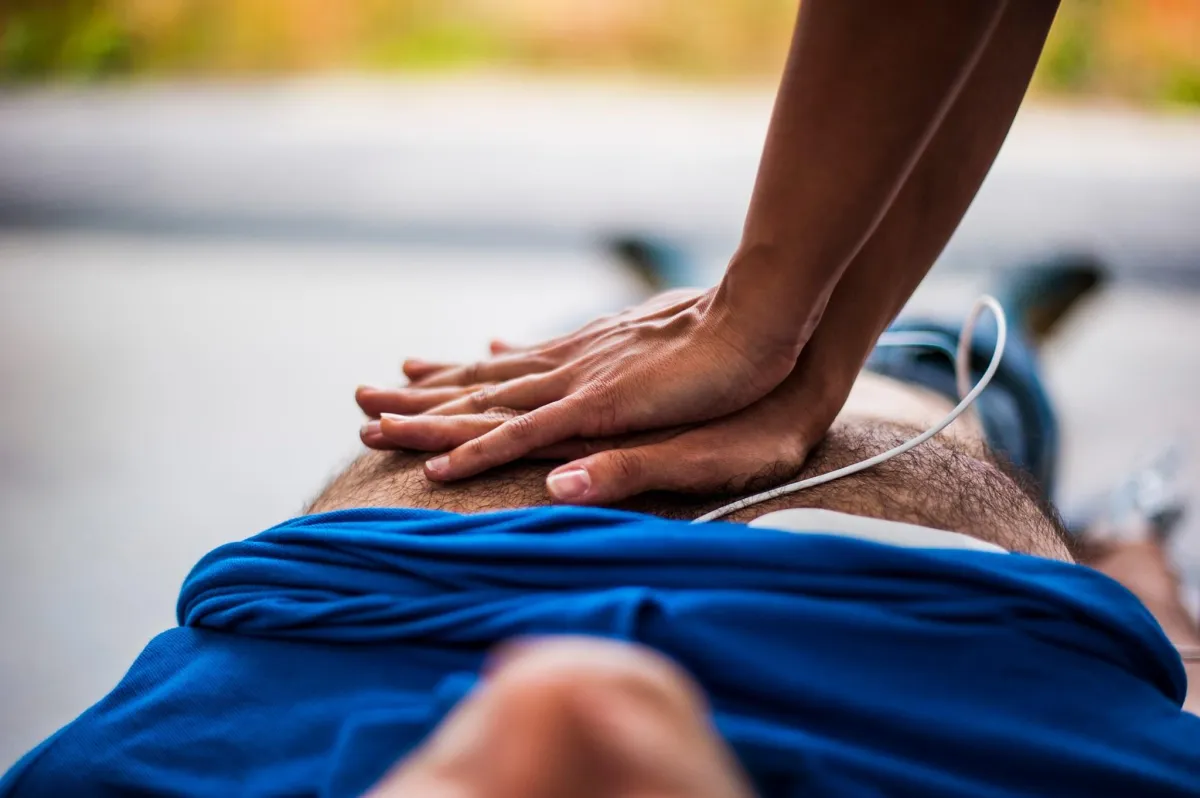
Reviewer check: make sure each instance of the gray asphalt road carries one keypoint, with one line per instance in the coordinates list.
(192, 282)
(537, 164)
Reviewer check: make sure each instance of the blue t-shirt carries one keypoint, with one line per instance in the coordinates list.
(311, 657)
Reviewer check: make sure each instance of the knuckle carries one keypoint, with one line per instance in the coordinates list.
(482, 398)
(500, 414)
(476, 448)
(603, 407)
(562, 351)
(609, 411)
(557, 379)
(522, 426)
(544, 364)
(627, 466)
(470, 373)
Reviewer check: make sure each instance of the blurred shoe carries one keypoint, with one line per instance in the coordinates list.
(658, 264)
(1151, 498)
(1148, 503)
(1038, 297)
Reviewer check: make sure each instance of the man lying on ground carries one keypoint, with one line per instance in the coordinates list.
(916, 629)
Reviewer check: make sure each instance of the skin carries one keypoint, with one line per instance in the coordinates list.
(930, 486)
(553, 715)
(574, 716)
(1144, 567)
(583, 716)
(888, 119)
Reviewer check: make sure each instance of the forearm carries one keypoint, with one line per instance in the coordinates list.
(926, 212)
(865, 87)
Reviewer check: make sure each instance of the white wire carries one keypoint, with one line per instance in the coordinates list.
(962, 370)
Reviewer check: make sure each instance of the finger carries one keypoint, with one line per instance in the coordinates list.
(373, 438)
(498, 347)
(685, 463)
(511, 440)
(604, 477)
(440, 433)
(714, 458)
(498, 369)
(419, 370)
(415, 369)
(525, 393)
(561, 344)
(571, 450)
(376, 401)
(578, 448)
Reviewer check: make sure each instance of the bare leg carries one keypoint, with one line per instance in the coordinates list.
(1145, 569)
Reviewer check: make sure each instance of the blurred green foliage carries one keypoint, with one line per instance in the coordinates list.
(1068, 62)
(83, 39)
(1183, 85)
(1140, 50)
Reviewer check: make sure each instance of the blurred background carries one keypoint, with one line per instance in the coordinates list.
(219, 216)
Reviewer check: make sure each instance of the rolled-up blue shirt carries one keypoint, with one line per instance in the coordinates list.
(312, 656)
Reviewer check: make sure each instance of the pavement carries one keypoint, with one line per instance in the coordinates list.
(193, 278)
(495, 162)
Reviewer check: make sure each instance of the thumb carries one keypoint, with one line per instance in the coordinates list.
(708, 459)
(610, 476)
(605, 477)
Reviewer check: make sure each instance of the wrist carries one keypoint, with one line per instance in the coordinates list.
(751, 329)
(764, 305)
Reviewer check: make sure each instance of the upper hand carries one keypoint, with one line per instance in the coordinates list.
(748, 450)
(677, 359)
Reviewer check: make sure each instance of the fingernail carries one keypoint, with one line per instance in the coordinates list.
(370, 428)
(393, 417)
(370, 388)
(438, 465)
(570, 484)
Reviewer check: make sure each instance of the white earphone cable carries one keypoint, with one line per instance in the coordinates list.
(962, 371)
